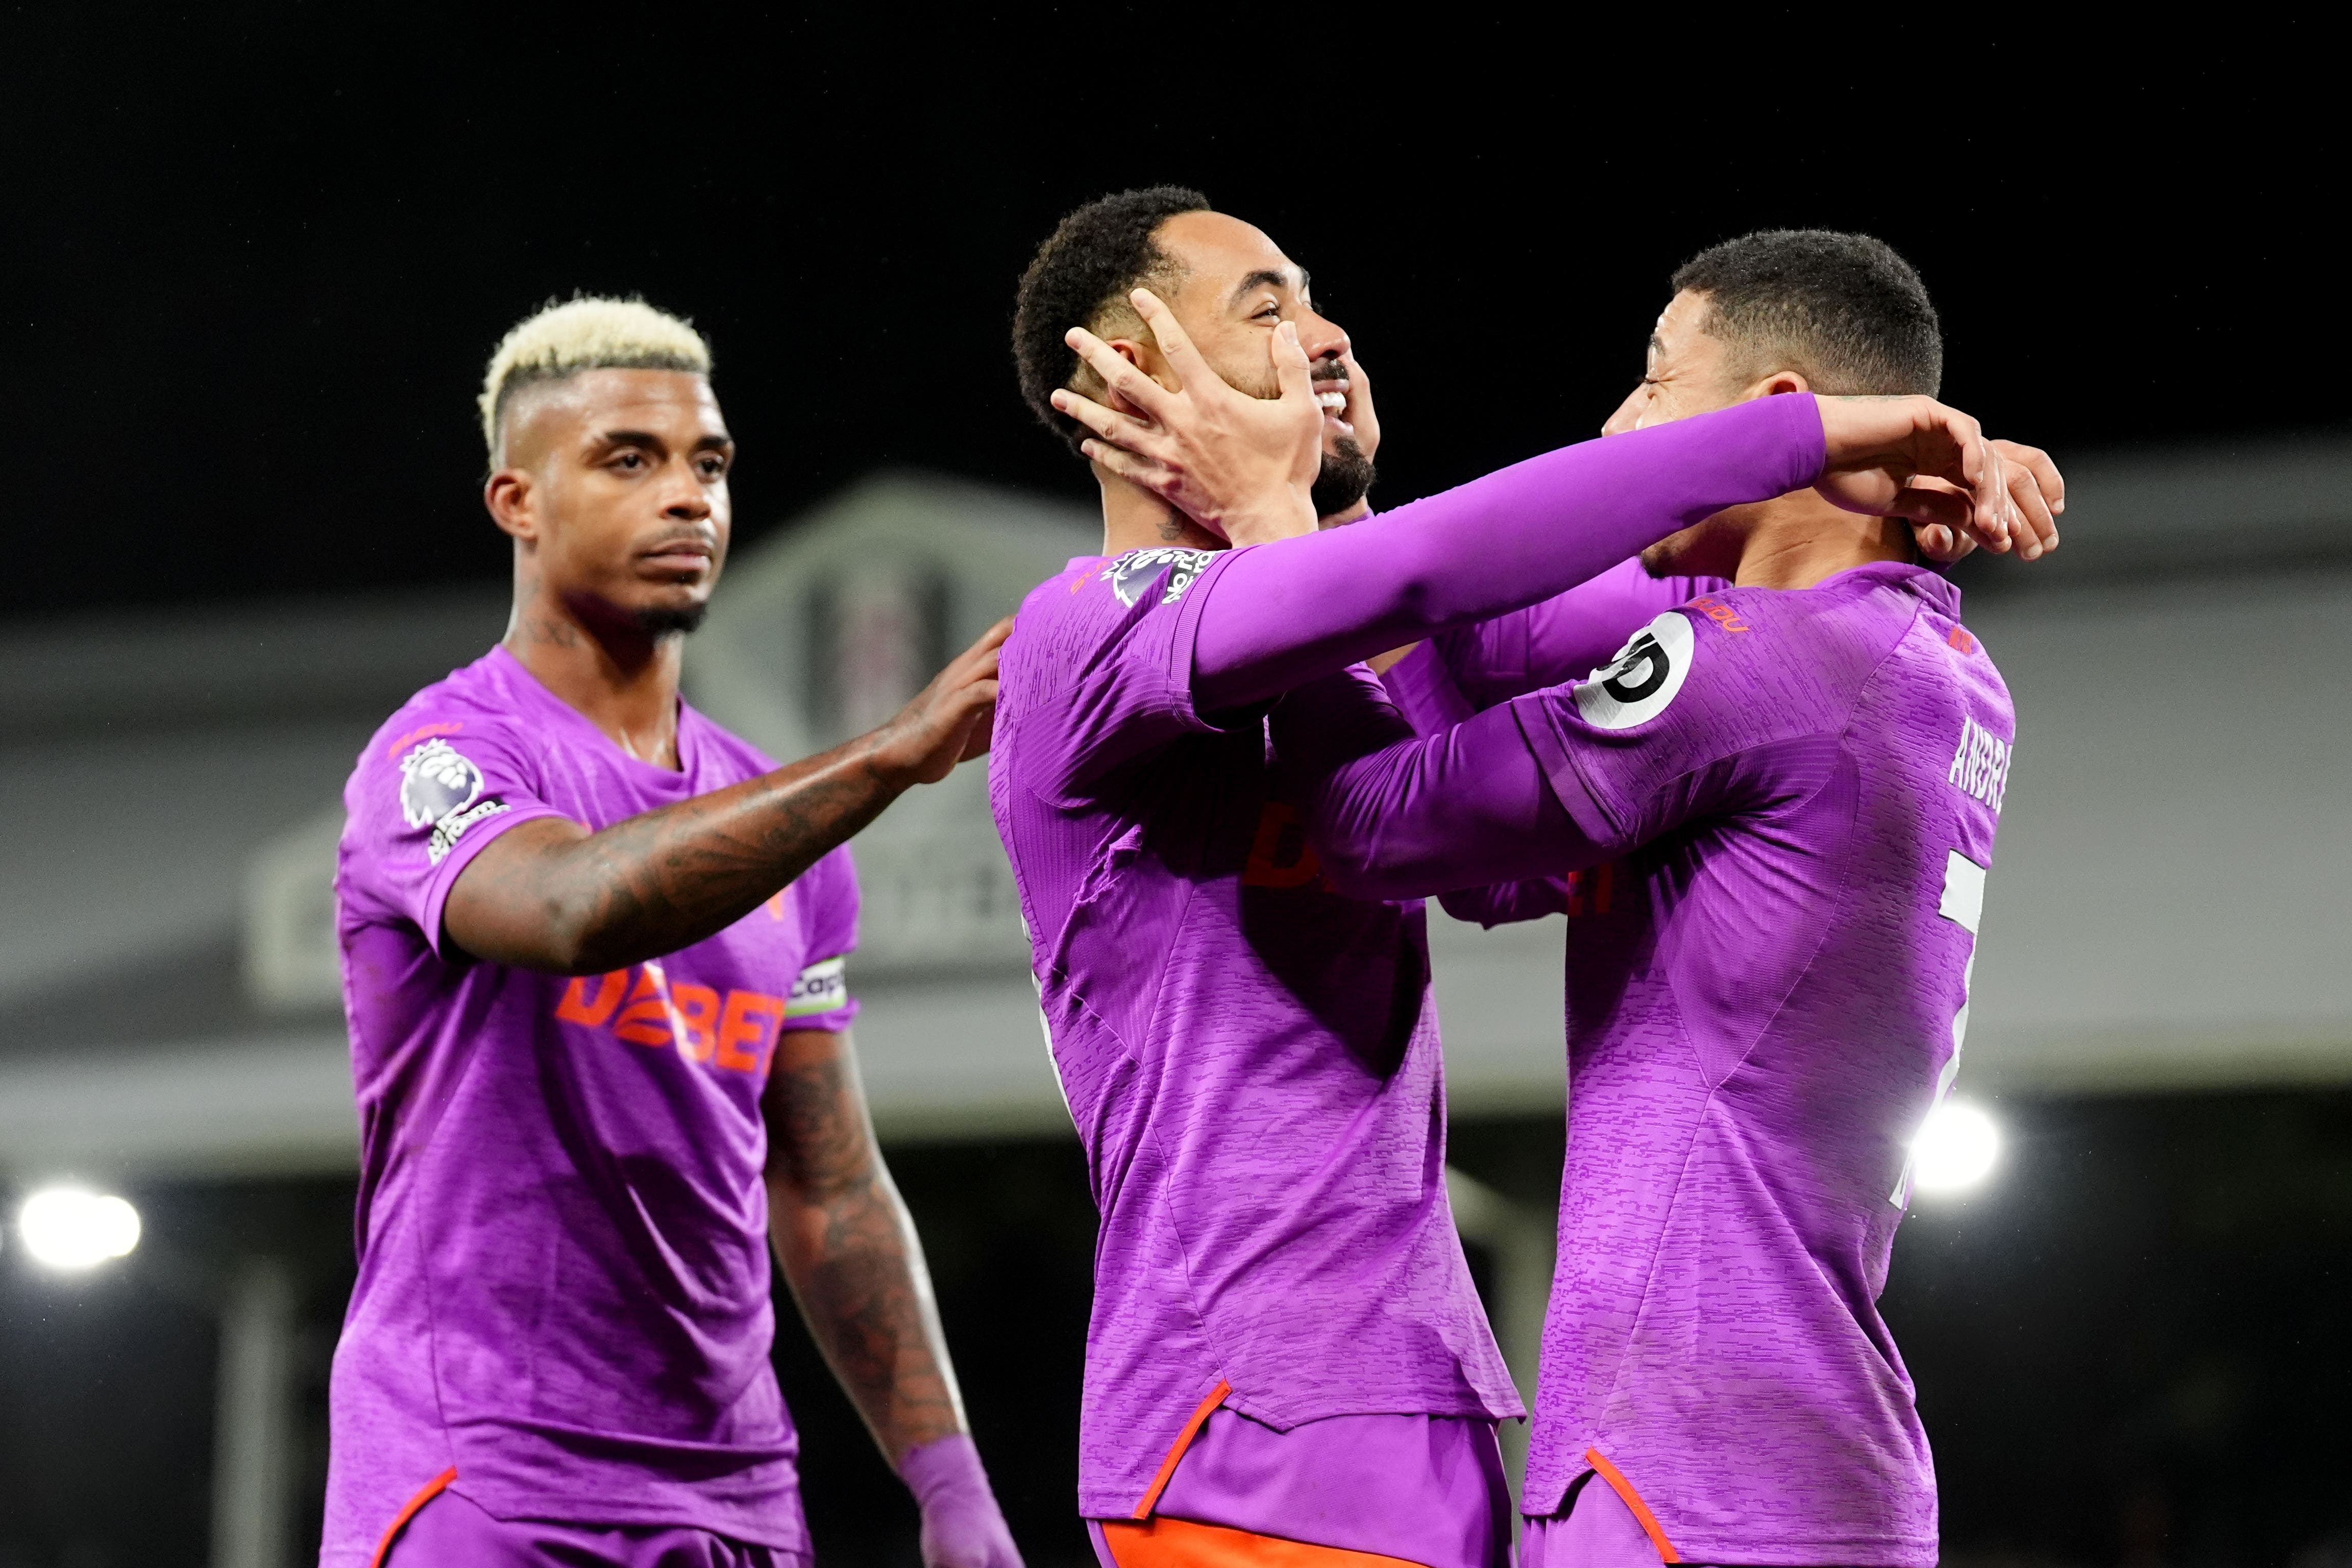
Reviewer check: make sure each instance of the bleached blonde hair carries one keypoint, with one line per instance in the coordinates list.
(586, 334)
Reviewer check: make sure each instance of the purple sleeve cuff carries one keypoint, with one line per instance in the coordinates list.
(461, 855)
(962, 1527)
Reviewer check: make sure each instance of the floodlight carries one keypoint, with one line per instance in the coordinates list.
(1957, 1149)
(72, 1228)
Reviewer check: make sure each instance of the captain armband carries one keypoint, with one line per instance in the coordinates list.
(820, 988)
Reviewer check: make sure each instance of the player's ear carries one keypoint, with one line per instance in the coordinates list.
(510, 495)
(1779, 381)
(1144, 357)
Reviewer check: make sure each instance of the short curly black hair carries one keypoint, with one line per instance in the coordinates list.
(1079, 278)
(1843, 309)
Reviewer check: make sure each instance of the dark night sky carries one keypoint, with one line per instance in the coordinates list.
(257, 256)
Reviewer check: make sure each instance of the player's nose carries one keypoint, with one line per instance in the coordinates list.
(687, 499)
(1319, 338)
(1629, 413)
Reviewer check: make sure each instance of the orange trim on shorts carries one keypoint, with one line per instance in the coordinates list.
(1183, 1441)
(1632, 1501)
(432, 1489)
(1180, 1543)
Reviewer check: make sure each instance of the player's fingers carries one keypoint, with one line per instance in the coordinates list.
(1148, 472)
(981, 736)
(1118, 374)
(2032, 512)
(1174, 343)
(1119, 429)
(2037, 462)
(1940, 543)
(1932, 506)
(1290, 370)
(1966, 459)
(993, 638)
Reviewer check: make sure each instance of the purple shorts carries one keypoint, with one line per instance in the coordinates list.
(452, 1531)
(1426, 1490)
(1595, 1530)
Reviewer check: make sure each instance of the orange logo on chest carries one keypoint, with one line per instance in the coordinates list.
(1721, 613)
(1589, 890)
(737, 1034)
(1280, 856)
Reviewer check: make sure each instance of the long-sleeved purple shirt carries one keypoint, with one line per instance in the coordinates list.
(1793, 796)
(1472, 668)
(1251, 1058)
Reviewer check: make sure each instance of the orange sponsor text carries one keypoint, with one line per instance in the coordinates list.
(736, 1032)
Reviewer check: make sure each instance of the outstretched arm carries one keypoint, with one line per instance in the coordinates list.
(1295, 609)
(1299, 606)
(551, 895)
(848, 1249)
(1396, 816)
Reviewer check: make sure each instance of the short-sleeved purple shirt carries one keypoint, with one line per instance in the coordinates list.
(563, 1285)
(1252, 1059)
(1766, 995)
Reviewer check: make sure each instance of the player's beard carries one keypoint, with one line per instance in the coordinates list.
(1343, 479)
(663, 620)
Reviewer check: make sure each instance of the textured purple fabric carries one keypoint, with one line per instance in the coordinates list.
(1395, 815)
(962, 1526)
(1598, 1531)
(1251, 1060)
(1797, 794)
(453, 1532)
(1465, 671)
(1303, 606)
(1427, 1488)
(564, 1282)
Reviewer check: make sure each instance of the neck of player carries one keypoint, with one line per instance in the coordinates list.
(1799, 540)
(1135, 519)
(611, 670)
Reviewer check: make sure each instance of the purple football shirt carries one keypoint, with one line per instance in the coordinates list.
(1788, 802)
(1250, 1059)
(563, 1284)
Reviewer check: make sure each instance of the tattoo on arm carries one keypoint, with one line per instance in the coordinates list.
(549, 895)
(848, 1247)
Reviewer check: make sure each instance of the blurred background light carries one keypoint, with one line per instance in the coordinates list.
(1956, 1149)
(67, 1227)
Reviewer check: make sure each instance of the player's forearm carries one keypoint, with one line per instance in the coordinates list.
(847, 1246)
(1395, 815)
(550, 896)
(1286, 612)
(857, 1270)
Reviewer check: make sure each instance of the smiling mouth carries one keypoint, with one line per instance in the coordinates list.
(1333, 398)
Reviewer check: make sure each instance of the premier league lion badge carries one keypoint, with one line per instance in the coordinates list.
(436, 780)
(441, 788)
